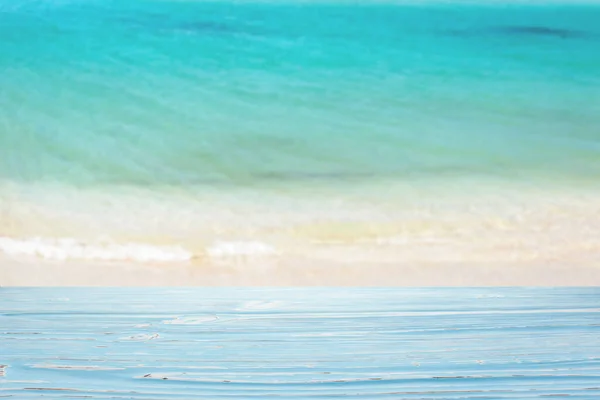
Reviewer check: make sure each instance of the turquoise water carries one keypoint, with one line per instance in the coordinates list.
(171, 93)
(467, 343)
(183, 121)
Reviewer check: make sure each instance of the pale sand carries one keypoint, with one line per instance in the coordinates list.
(299, 273)
(492, 237)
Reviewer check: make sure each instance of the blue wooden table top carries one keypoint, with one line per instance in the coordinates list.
(421, 343)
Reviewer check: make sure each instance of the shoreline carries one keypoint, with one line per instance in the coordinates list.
(491, 237)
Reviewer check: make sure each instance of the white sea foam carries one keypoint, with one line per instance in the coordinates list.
(71, 249)
(233, 249)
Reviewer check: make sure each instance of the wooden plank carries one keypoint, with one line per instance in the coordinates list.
(473, 343)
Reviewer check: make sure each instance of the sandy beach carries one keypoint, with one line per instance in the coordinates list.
(548, 238)
(300, 273)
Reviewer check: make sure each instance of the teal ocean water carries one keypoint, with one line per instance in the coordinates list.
(164, 106)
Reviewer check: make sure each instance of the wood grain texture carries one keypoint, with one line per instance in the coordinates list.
(475, 343)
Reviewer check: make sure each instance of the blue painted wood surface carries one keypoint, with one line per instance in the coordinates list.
(430, 343)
